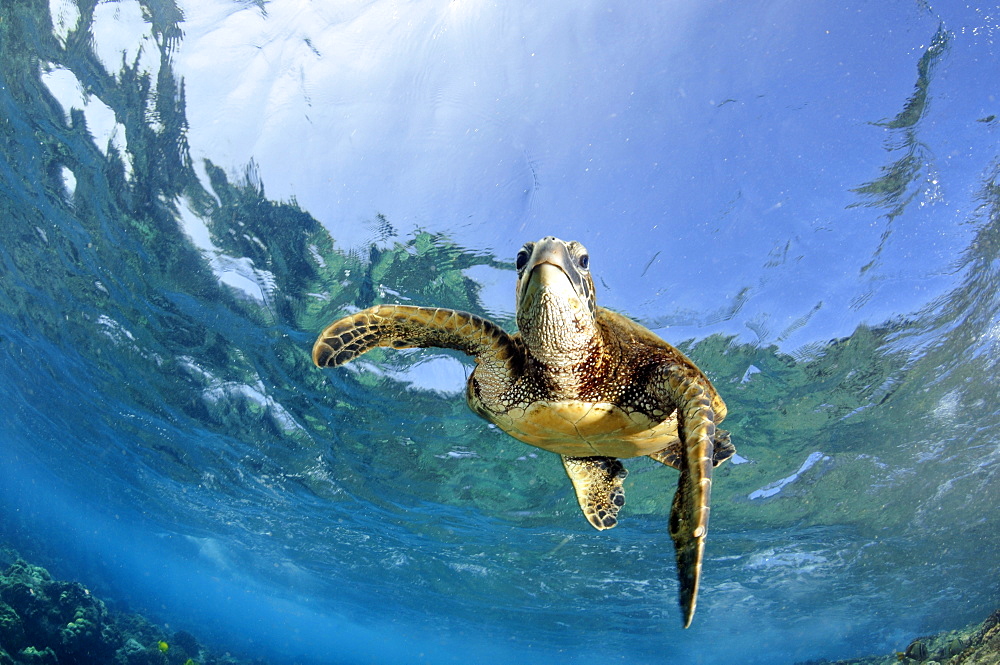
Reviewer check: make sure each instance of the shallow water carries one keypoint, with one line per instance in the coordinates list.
(805, 199)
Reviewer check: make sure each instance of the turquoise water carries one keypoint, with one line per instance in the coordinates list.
(806, 200)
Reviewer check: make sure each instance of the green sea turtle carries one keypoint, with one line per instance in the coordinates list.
(577, 380)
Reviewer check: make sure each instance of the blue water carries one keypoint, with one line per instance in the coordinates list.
(805, 197)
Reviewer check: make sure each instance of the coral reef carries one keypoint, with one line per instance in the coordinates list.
(973, 645)
(49, 622)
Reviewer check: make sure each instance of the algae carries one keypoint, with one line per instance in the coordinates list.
(43, 620)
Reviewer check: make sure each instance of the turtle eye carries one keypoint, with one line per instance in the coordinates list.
(583, 261)
(522, 258)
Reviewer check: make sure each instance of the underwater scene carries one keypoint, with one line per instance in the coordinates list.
(804, 198)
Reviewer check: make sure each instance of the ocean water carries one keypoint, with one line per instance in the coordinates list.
(805, 197)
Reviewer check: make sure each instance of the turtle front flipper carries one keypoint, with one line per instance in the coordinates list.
(404, 326)
(598, 485)
(685, 388)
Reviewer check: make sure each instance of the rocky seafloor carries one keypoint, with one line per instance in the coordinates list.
(977, 644)
(48, 622)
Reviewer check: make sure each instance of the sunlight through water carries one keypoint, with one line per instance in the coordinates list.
(804, 198)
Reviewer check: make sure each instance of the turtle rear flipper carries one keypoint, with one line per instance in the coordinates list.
(598, 485)
(723, 447)
(673, 454)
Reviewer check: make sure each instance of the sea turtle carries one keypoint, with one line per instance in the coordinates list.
(577, 380)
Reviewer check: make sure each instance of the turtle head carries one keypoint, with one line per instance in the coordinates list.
(556, 309)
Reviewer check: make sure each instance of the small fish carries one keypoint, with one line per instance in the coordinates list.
(190, 662)
(163, 646)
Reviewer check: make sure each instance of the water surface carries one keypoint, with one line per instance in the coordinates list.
(805, 198)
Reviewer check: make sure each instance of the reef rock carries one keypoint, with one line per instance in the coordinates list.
(49, 622)
(44, 621)
(975, 645)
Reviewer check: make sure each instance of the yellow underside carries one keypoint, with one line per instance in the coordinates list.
(587, 428)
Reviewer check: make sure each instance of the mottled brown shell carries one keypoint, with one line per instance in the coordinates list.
(615, 415)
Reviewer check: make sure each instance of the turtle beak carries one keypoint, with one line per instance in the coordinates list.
(546, 271)
(551, 251)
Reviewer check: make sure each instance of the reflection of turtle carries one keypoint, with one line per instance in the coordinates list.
(578, 380)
